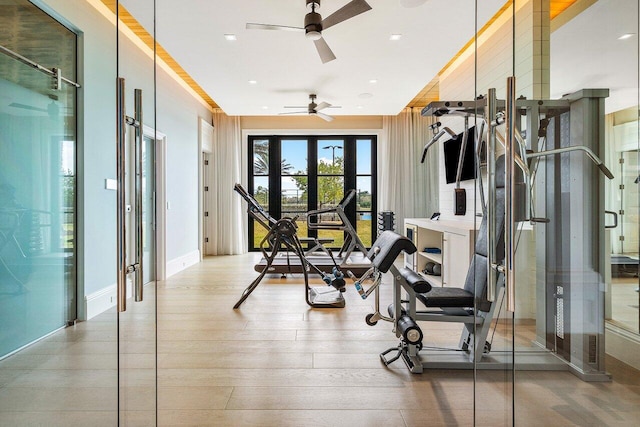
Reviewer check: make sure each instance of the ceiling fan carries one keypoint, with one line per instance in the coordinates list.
(314, 24)
(313, 109)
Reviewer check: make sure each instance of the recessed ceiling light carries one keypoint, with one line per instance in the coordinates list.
(230, 37)
(395, 37)
(365, 95)
(253, 82)
(359, 107)
(412, 3)
(373, 81)
(626, 36)
(264, 107)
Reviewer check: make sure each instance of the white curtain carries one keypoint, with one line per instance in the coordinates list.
(406, 186)
(226, 206)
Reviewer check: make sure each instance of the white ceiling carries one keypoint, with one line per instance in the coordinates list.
(286, 65)
(586, 53)
(287, 68)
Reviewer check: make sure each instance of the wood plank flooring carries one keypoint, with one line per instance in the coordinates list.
(277, 362)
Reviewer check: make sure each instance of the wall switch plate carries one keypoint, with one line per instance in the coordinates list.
(110, 184)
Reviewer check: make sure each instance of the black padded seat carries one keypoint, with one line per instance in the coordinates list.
(446, 297)
(416, 281)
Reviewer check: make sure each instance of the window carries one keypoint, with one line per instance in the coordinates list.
(291, 175)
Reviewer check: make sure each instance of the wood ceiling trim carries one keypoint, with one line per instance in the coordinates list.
(127, 19)
(431, 91)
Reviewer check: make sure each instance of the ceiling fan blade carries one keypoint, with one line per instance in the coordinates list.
(322, 106)
(294, 112)
(254, 26)
(351, 9)
(324, 116)
(299, 106)
(325, 52)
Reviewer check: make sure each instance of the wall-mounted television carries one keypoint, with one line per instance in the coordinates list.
(452, 153)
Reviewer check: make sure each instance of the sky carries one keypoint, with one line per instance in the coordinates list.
(295, 153)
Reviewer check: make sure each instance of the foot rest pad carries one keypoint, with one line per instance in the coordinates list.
(416, 281)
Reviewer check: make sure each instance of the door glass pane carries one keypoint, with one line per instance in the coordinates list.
(574, 295)
(138, 391)
(624, 238)
(330, 157)
(294, 200)
(294, 156)
(261, 157)
(491, 340)
(261, 194)
(36, 208)
(363, 157)
(41, 359)
(364, 214)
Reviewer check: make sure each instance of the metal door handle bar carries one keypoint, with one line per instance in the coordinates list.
(136, 268)
(121, 232)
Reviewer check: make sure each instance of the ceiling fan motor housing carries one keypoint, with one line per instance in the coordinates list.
(313, 25)
(313, 21)
(312, 104)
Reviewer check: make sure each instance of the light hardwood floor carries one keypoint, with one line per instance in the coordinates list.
(277, 362)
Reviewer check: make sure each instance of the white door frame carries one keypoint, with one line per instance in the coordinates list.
(206, 135)
(161, 200)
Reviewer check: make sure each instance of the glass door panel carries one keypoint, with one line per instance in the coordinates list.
(569, 256)
(137, 238)
(294, 182)
(37, 262)
(42, 349)
(491, 339)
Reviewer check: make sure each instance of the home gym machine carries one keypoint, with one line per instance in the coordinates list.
(547, 178)
(283, 234)
(318, 254)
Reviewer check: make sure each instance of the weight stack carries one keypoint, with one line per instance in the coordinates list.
(386, 221)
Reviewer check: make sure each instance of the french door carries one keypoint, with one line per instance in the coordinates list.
(291, 175)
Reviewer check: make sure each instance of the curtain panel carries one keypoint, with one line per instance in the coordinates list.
(407, 187)
(226, 206)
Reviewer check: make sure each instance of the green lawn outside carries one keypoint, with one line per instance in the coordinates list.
(363, 227)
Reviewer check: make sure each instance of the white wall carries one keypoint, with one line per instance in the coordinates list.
(495, 62)
(177, 117)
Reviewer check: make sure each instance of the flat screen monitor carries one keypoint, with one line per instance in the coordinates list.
(452, 153)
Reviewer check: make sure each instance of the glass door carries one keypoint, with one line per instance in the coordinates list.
(135, 154)
(576, 68)
(43, 351)
(496, 82)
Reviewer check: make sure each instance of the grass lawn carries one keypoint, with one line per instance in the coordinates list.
(363, 227)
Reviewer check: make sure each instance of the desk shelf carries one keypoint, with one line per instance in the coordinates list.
(455, 239)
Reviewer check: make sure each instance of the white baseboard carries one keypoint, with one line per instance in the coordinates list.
(185, 261)
(623, 345)
(100, 301)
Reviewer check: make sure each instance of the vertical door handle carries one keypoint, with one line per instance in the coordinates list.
(121, 233)
(510, 196)
(138, 192)
(491, 195)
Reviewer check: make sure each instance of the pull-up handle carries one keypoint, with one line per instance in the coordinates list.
(589, 153)
(435, 139)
